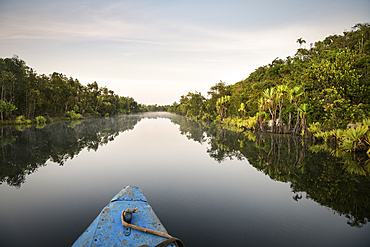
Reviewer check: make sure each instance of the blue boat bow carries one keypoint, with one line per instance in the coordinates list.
(108, 230)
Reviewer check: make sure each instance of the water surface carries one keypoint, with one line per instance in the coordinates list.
(208, 186)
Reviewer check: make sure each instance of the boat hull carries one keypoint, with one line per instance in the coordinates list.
(107, 228)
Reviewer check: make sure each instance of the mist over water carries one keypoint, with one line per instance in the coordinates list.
(208, 186)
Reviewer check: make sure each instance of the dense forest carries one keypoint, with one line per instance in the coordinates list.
(320, 90)
(25, 93)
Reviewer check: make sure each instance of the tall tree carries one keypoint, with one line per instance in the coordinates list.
(295, 94)
(281, 90)
(301, 41)
(269, 95)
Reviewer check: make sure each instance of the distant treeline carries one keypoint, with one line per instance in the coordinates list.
(24, 92)
(327, 83)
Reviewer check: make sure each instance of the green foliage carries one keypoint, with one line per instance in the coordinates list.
(347, 144)
(20, 120)
(238, 124)
(314, 127)
(40, 120)
(303, 109)
(153, 108)
(366, 122)
(336, 108)
(72, 115)
(242, 108)
(323, 134)
(367, 141)
(7, 108)
(222, 105)
(338, 133)
(206, 117)
(353, 137)
(269, 95)
(295, 93)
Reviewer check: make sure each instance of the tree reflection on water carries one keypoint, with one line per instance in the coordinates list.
(332, 178)
(26, 149)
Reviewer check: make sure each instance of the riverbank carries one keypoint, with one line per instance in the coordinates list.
(39, 120)
(355, 138)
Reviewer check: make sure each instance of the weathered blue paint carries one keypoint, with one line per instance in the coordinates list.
(107, 229)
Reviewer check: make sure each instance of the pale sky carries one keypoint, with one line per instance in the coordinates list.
(155, 51)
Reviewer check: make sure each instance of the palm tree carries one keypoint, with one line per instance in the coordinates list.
(352, 137)
(221, 105)
(261, 104)
(295, 93)
(5, 80)
(269, 95)
(280, 91)
(303, 109)
(301, 41)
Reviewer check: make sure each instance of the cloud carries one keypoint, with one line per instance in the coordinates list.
(190, 44)
(149, 24)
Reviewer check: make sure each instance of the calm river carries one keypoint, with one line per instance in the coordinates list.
(208, 186)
